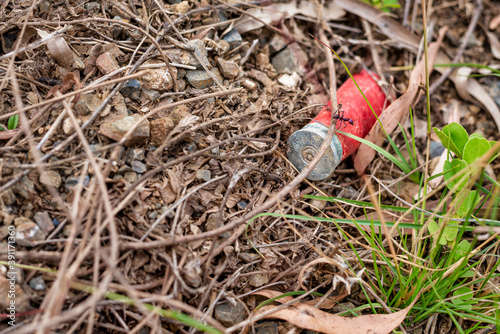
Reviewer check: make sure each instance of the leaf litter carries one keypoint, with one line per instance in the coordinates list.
(210, 149)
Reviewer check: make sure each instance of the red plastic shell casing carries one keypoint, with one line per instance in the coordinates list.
(305, 142)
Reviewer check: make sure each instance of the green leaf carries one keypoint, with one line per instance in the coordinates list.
(475, 148)
(434, 229)
(476, 135)
(453, 137)
(461, 250)
(450, 233)
(452, 168)
(13, 121)
(469, 202)
(467, 274)
(462, 294)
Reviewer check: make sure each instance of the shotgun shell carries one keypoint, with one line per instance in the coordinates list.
(305, 143)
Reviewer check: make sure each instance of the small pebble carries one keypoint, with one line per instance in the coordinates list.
(228, 69)
(72, 181)
(28, 233)
(242, 205)
(436, 149)
(106, 63)
(229, 314)
(87, 104)
(38, 284)
(203, 175)
(258, 280)
(158, 78)
(268, 327)
(44, 222)
(115, 128)
(199, 56)
(92, 8)
(138, 167)
(51, 178)
(153, 214)
(250, 85)
(233, 38)
(290, 81)
(277, 43)
(8, 197)
(200, 79)
(262, 59)
(135, 154)
(130, 86)
(287, 61)
(130, 177)
(151, 95)
(68, 127)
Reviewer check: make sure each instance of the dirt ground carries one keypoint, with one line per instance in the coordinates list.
(126, 181)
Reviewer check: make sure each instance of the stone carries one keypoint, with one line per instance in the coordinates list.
(87, 104)
(200, 79)
(22, 299)
(249, 257)
(151, 95)
(130, 177)
(42, 219)
(113, 50)
(23, 187)
(233, 38)
(277, 43)
(4, 232)
(115, 128)
(203, 175)
(106, 63)
(38, 284)
(495, 92)
(160, 129)
(92, 8)
(51, 178)
(228, 314)
(181, 7)
(242, 205)
(138, 167)
(258, 280)
(262, 59)
(132, 154)
(211, 223)
(178, 113)
(228, 69)
(268, 327)
(290, 81)
(68, 126)
(8, 197)
(130, 87)
(72, 181)
(249, 84)
(318, 205)
(157, 78)
(27, 234)
(201, 52)
(288, 61)
(436, 149)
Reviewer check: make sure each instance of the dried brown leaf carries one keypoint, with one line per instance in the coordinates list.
(494, 44)
(494, 23)
(308, 317)
(60, 51)
(232, 200)
(278, 11)
(399, 109)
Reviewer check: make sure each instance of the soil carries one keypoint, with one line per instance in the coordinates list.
(123, 175)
